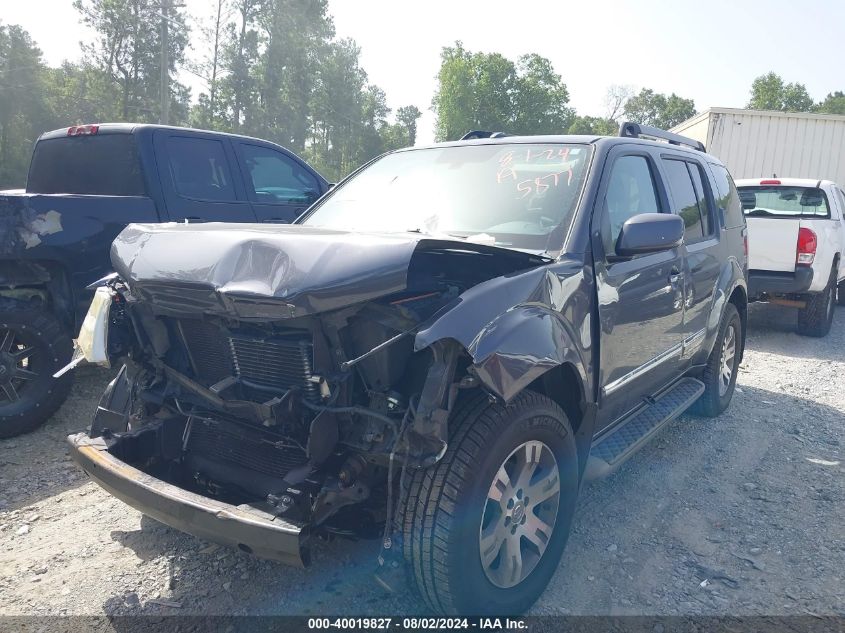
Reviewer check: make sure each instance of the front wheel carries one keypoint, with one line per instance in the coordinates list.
(484, 529)
(33, 346)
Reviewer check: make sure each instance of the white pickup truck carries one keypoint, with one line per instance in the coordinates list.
(796, 237)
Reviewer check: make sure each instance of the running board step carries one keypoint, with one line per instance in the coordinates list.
(610, 450)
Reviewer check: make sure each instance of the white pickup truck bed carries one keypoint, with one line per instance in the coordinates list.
(796, 237)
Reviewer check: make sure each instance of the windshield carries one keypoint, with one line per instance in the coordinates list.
(517, 196)
(784, 202)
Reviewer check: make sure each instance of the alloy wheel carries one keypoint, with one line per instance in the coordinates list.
(726, 363)
(16, 367)
(519, 514)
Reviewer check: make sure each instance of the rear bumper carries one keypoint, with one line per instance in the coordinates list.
(244, 527)
(767, 282)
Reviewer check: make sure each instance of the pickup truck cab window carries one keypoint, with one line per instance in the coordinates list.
(199, 169)
(275, 178)
(99, 164)
(784, 202)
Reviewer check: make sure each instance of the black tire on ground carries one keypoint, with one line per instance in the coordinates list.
(444, 506)
(816, 317)
(33, 346)
(840, 293)
(719, 375)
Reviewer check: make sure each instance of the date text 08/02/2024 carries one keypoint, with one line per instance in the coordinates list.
(415, 624)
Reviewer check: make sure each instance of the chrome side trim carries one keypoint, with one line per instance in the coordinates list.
(693, 342)
(616, 385)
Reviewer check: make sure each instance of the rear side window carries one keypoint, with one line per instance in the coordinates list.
(630, 191)
(707, 219)
(199, 169)
(776, 201)
(727, 197)
(685, 199)
(98, 164)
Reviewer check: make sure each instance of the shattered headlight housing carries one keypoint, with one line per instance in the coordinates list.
(91, 345)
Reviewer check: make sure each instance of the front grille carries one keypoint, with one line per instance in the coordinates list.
(253, 449)
(179, 297)
(279, 363)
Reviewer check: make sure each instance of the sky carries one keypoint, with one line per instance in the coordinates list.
(708, 51)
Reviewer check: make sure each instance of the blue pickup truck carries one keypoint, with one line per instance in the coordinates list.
(85, 184)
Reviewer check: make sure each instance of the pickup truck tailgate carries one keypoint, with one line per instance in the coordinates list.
(772, 243)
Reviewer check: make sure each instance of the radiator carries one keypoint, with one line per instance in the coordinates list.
(252, 449)
(275, 362)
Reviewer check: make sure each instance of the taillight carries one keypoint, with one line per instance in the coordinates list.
(806, 250)
(770, 182)
(82, 130)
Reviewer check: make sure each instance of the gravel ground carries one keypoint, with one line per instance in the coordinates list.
(739, 515)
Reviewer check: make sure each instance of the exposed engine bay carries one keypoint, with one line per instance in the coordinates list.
(298, 390)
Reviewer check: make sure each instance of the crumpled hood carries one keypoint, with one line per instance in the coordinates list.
(253, 270)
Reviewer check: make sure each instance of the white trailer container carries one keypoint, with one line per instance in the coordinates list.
(763, 143)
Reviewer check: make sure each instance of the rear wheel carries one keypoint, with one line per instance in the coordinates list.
(816, 317)
(33, 346)
(719, 375)
(484, 529)
(840, 293)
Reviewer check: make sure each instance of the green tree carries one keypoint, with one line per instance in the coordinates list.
(337, 110)
(127, 48)
(209, 111)
(295, 34)
(24, 113)
(489, 91)
(541, 98)
(238, 84)
(769, 92)
(653, 108)
(406, 119)
(80, 93)
(403, 131)
(834, 103)
(591, 125)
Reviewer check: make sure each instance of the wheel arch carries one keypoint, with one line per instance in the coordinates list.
(563, 385)
(46, 280)
(739, 299)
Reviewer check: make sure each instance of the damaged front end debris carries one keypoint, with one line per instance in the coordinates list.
(283, 403)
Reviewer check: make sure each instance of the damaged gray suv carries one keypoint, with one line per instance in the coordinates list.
(439, 352)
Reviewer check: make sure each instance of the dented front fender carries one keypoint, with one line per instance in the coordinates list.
(517, 327)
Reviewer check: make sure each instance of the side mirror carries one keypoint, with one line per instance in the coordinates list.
(650, 233)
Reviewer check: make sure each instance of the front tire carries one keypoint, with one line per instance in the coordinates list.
(33, 346)
(484, 529)
(720, 372)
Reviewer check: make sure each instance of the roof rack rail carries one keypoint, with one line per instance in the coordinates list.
(635, 130)
(481, 134)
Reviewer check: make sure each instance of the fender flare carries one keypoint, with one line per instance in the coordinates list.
(520, 346)
(518, 327)
(731, 277)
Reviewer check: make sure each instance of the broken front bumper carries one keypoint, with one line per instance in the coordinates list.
(244, 527)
